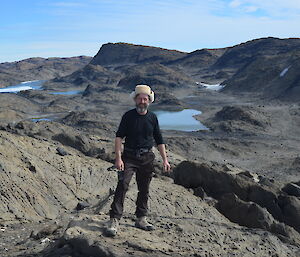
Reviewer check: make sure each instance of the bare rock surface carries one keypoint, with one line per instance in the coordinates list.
(239, 179)
(217, 182)
(12, 73)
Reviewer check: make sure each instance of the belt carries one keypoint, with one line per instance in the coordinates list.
(138, 151)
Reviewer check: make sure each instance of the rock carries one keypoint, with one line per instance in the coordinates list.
(290, 206)
(292, 189)
(251, 175)
(199, 192)
(61, 151)
(217, 183)
(247, 214)
(82, 205)
(251, 215)
(46, 231)
(81, 143)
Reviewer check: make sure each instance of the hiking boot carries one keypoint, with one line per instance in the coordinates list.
(113, 226)
(142, 223)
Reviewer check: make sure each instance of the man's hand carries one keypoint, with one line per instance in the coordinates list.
(167, 166)
(162, 151)
(119, 164)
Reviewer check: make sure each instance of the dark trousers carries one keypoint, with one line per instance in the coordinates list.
(142, 166)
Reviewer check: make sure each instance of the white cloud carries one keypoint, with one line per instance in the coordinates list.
(250, 9)
(274, 8)
(235, 3)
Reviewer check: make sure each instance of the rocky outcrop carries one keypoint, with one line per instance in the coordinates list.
(240, 118)
(217, 182)
(120, 54)
(292, 189)
(157, 75)
(90, 74)
(252, 215)
(240, 55)
(39, 69)
(271, 74)
(37, 183)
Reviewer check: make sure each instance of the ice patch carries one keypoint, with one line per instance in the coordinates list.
(215, 87)
(26, 85)
(284, 71)
(29, 81)
(14, 89)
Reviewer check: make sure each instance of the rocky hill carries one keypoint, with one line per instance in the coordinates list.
(49, 174)
(234, 189)
(262, 68)
(120, 54)
(259, 67)
(39, 69)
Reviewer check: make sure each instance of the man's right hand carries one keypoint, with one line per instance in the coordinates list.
(119, 164)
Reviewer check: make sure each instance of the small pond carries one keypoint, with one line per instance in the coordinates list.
(182, 120)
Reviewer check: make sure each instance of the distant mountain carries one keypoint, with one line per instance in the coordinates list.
(266, 67)
(119, 54)
(39, 68)
(124, 65)
(197, 63)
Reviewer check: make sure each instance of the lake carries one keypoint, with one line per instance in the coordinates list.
(182, 120)
(35, 85)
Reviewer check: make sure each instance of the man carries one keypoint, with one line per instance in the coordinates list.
(139, 126)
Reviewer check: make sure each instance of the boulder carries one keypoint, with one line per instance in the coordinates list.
(292, 189)
(290, 206)
(216, 183)
(251, 215)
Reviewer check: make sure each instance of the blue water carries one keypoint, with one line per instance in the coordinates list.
(34, 85)
(182, 120)
(41, 119)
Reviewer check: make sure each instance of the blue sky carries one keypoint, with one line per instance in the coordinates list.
(31, 28)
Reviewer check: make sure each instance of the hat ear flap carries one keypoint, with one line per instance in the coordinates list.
(152, 96)
(132, 94)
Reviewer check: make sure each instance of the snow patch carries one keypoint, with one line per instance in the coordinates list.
(284, 71)
(26, 85)
(29, 81)
(215, 87)
(14, 89)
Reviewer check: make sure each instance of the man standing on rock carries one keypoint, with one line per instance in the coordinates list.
(139, 126)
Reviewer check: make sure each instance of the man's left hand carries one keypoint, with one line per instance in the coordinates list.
(167, 166)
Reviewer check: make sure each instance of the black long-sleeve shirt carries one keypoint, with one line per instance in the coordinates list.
(139, 130)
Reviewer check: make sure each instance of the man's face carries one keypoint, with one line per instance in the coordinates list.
(142, 102)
